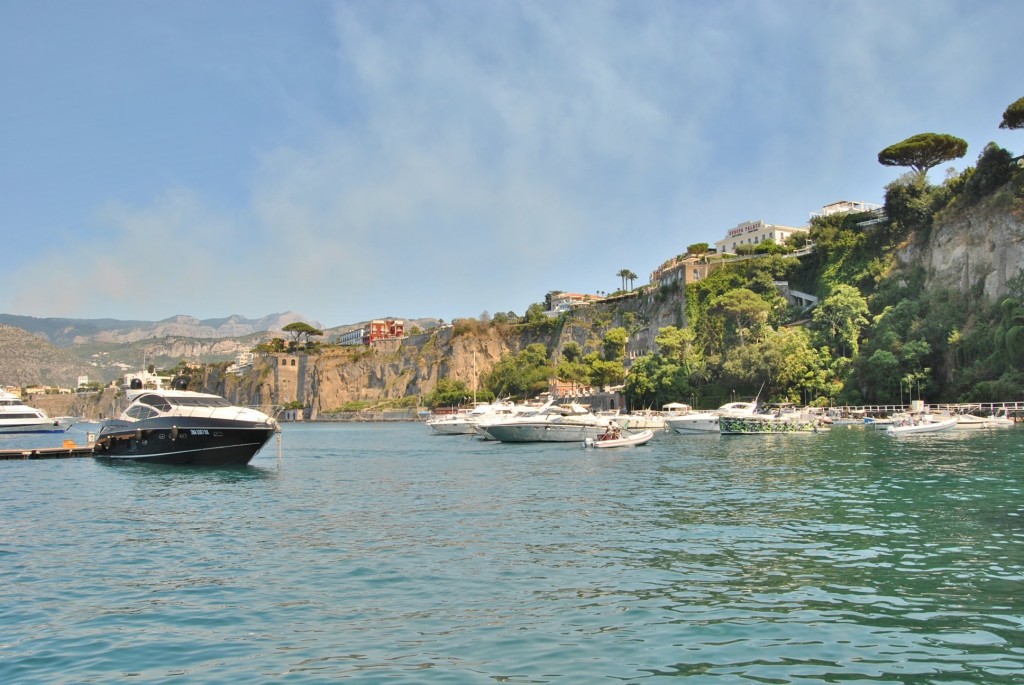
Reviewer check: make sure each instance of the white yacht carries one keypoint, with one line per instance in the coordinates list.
(707, 421)
(466, 422)
(642, 419)
(17, 417)
(554, 423)
(506, 414)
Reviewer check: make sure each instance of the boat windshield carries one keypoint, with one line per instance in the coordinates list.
(199, 401)
(155, 401)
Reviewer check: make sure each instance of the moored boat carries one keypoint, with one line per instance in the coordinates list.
(179, 426)
(642, 419)
(556, 423)
(467, 423)
(760, 424)
(975, 422)
(18, 417)
(627, 439)
(923, 423)
(707, 421)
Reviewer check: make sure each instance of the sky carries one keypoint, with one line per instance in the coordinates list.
(351, 160)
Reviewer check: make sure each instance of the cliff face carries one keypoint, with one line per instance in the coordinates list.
(89, 406)
(335, 377)
(979, 247)
(330, 379)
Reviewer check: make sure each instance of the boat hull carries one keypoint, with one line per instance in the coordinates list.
(694, 423)
(200, 442)
(971, 422)
(544, 432)
(47, 426)
(634, 440)
(453, 427)
(925, 427)
(758, 425)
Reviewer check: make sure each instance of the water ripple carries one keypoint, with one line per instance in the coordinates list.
(375, 552)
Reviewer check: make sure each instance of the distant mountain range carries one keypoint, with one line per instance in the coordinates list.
(57, 351)
(71, 332)
(27, 359)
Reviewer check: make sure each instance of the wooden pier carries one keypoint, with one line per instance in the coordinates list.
(1012, 410)
(68, 451)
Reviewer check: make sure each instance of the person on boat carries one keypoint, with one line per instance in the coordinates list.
(611, 432)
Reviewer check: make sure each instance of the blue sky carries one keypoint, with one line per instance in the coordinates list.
(352, 160)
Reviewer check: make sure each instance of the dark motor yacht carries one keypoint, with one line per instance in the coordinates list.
(178, 426)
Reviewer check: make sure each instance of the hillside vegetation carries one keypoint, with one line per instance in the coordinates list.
(889, 326)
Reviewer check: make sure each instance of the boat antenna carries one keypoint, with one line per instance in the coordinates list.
(757, 397)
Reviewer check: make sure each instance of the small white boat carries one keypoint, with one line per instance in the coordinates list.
(975, 422)
(1001, 419)
(458, 423)
(624, 440)
(922, 424)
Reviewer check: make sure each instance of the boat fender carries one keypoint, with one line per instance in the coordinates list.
(138, 434)
(174, 432)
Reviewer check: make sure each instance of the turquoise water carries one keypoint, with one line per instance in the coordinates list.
(375, 553)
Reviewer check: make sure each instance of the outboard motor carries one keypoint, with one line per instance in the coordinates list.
(180, 383)
(136, 384)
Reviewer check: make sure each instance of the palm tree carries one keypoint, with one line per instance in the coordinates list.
(624, 274)
(630, 276)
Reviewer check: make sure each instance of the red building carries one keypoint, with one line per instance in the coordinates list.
(384, 329)
(378, 329)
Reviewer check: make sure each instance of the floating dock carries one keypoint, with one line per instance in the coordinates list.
(68, 451)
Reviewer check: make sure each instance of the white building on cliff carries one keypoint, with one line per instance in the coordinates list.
(754, 233)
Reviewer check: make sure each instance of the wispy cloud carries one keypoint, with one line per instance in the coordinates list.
(446, 158)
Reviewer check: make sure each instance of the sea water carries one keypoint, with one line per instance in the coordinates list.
(373, 553)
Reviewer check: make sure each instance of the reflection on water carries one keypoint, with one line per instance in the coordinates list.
(176, 475)
(378, 551)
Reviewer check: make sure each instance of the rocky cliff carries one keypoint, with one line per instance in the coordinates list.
(330, 379)
(92, 406)
(973, 250)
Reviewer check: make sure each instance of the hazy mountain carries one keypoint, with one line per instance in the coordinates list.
(69, 332)
(27, 359)
(56, 351)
